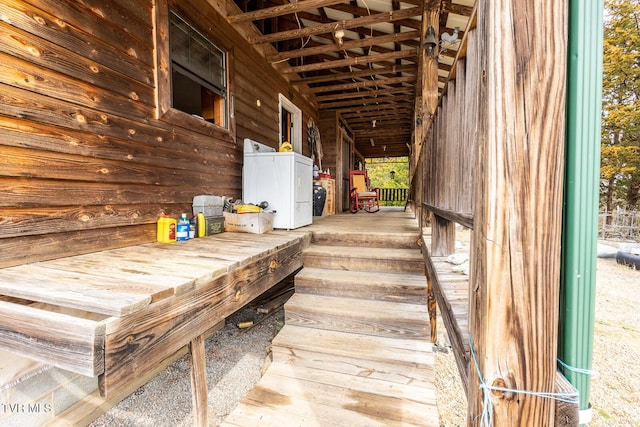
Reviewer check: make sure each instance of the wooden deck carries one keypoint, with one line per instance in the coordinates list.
(117, 312)
(355, 348)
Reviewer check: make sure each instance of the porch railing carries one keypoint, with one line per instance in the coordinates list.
(393, 196)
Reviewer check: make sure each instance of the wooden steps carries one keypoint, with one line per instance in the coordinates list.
(369, 239)
(295, 395)
(349, 353)
(355, 348)
(360, 258)
(370, 317)
(376, 285)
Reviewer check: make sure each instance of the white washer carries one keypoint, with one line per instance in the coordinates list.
(285, 180)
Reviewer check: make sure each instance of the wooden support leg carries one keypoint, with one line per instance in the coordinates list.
(431, 307)
(199, 382)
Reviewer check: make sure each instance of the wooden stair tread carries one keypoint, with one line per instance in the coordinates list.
(357, 307)
(363, 252)
(337, 399)
(377, 286)
(421, 374)
(407, 280)
(367, 347)
(370, 239)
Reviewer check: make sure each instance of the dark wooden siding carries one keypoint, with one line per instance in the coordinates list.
(86, 165)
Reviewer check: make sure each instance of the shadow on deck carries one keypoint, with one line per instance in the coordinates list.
(355, 349)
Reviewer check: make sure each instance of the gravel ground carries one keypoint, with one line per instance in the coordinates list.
(235, 360)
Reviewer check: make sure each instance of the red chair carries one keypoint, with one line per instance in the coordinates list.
(361, 195)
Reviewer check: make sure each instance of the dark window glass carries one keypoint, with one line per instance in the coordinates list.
(198, 76)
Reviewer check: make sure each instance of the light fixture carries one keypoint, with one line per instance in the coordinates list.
(392, 174)
(430, 41)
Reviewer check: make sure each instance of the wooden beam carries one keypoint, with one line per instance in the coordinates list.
(347, 45)
(68, 342)
(338, 25)
(365, 59)
(362, 11)
(462, 218)
(407, 69)
(199, 395)
(284, 9)
(361, 84)
(363, 94)
(515, 270)
(350, 104)
(372, 113)
(458, 9)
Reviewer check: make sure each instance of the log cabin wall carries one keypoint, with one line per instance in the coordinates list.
(87, 166)
(329, 126)
(338, 154)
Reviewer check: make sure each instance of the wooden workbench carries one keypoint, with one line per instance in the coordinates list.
(118, 313)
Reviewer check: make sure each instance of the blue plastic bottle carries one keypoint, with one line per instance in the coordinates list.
(182, 230)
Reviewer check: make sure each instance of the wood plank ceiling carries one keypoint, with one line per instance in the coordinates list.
(359, 57)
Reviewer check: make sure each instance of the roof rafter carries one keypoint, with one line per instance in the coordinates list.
(369, 41)
(337, 25)
(280, 10)
(365, 59)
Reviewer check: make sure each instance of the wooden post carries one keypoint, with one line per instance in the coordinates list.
(199, 382)
(427, 99)
(443, 236)
(515, 271)
(432, 306)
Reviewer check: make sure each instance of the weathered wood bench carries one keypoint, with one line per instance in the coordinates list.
(119, 313)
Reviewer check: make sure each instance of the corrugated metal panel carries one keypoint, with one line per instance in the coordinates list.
(584, 99)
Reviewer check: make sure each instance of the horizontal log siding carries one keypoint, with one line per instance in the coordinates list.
(85, 164)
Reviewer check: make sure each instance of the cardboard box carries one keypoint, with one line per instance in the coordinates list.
(256, 223)
(208, 205)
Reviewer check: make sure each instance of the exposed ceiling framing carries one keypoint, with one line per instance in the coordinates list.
(359, 57)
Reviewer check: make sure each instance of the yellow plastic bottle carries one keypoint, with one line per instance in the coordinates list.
(166, 229)
(202, 225)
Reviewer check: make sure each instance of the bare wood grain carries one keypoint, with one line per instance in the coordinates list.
(22, 250)
(198, 375)
(142, 339)
(128, 54)
(69, 342)
(515, 279)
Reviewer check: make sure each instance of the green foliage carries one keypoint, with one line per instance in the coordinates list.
(389, 173)
(380, 172)
(620, 161)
